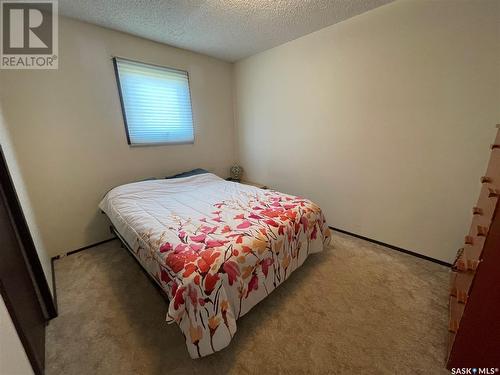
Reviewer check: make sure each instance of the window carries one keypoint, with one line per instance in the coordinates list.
(156, 103)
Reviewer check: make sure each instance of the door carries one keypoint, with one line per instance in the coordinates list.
(22, 289)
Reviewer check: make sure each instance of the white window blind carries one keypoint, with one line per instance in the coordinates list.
(156, 103)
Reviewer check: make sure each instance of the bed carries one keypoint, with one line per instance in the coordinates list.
(216, 248)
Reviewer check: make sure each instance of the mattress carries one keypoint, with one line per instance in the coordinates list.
(215, 247)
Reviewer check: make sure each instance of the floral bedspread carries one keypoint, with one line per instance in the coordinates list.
(216, 248)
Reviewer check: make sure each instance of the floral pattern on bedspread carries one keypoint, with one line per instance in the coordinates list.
(220, 266)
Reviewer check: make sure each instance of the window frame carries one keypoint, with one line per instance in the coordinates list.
(122, 103)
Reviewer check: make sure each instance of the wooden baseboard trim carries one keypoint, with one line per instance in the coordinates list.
(333, 228)
(84, 248)
(89, 246)
(53, 259)
(443, 263)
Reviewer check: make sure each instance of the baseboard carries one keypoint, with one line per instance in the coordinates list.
(415, 254)
(84, 248)
(54, 287)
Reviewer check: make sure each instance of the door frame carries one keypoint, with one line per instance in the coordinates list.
(32, 262)
(26, 240)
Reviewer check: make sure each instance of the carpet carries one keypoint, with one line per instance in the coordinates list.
(355, 308)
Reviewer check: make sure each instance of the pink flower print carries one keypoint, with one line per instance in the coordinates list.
(174, 288)
(210, 281)
(215, 243)
(265, 264)
(297, 228)
(189, 269)
(206, 260)
(253, 284)
(166, 247)
(179, 298)
(196, 246)
(244, 225)
(303, 221)
(270, 213)
(232, 270)
(208, 230)
(199, 238)
(271, 222)
(314, 232)
(193, 295)
(180, 247)
(164, 277)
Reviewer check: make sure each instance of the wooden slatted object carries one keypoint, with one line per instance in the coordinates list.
(474, 321)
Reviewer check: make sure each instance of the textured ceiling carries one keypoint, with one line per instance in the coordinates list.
(226, 29)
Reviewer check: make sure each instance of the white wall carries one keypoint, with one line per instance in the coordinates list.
(384, 119)
(13, 358)
(67, 129)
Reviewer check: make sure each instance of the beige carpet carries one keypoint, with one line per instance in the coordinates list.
(356, 308)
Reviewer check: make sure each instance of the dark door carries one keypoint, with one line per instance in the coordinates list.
(20, 285)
